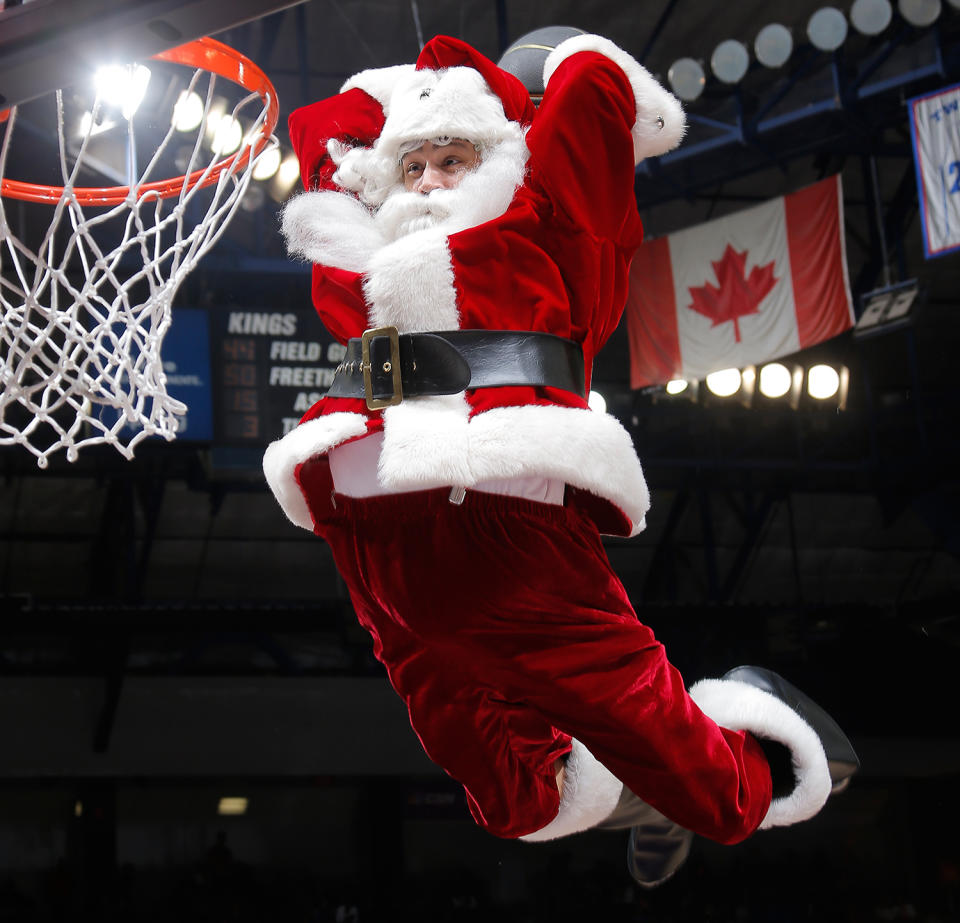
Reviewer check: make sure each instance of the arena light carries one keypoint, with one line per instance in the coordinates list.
(827, 29)
(253, 199)
(871, 17)
(187, 111)
(227, 135)
(679, 389)
(597, 402)
(122, 86)
(232, 807)
(288, 172)
(729, 61)
(687, 79)
(773, 45)
(724, 383)
(826, 383)
(267, 164)
(920, 13)
(777, 382)
(215, 115)
(87, 125)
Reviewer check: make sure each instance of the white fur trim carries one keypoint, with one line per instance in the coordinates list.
(426, 443)
(590, 793)
(652, 100)
(432, 442)
(379, 82)
(410, 284)
(331, 229)
(311, 438)
(742, 707)
(429, 442)
(455, 102)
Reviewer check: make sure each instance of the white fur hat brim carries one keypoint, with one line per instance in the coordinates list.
(453, 103)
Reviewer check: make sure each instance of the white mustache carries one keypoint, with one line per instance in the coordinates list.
(404, 212)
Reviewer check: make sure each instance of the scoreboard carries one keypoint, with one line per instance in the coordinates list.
(264, 369)
(268, 367)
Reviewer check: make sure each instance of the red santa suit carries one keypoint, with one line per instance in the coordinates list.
(499, 619)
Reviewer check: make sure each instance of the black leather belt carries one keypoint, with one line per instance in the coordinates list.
(384, 366)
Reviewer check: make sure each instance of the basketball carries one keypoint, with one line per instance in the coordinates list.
(524, 58)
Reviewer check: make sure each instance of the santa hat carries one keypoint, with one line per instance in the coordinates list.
(453, 91)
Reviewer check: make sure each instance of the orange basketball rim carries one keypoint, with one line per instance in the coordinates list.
(203, 53)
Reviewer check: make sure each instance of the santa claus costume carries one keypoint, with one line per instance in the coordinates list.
(467, 524)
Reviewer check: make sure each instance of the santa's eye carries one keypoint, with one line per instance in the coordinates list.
(413, 168)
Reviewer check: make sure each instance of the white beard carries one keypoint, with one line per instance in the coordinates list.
(484, 193)
(404, 212)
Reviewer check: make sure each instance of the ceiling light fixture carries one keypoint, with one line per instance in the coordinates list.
(227, 135)
(597, 402)
(773, 45)
(188, 111)
(232, 807)
(775, 380)
(871, 17)
(824, 382)
(123, 86)
(724, 383)
(267, 164)
(729, 61)
(827, 29)
(920, 13)
(687, 79)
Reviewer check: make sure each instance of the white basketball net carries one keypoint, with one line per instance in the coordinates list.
(81, 333)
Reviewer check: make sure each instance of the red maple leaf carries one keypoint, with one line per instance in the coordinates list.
(737, 295)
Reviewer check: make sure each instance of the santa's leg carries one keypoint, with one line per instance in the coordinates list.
(404, 577)
(523, 593)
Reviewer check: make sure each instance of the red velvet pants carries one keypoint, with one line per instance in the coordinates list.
(506, 632)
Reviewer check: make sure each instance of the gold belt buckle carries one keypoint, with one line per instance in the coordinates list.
(390, 367)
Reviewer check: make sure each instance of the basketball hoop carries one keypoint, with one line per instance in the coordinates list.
(85, 311)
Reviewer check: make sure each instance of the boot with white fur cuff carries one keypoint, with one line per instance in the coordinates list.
(762, 703)
(590, 794)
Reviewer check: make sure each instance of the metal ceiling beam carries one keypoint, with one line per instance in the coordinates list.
(859, 110)
(661, 23)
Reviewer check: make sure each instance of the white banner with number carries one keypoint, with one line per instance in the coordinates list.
(935, 129)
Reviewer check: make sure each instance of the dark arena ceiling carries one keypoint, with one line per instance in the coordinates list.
(153, 610)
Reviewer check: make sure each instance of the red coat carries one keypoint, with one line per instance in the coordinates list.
(555, 260)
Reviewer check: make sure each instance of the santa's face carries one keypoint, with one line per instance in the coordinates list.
(451, 187)
(438, 166)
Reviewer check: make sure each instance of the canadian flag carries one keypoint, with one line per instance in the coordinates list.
(741, 290)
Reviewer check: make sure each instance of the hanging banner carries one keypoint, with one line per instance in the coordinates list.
(935, 130)
(741, 290)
